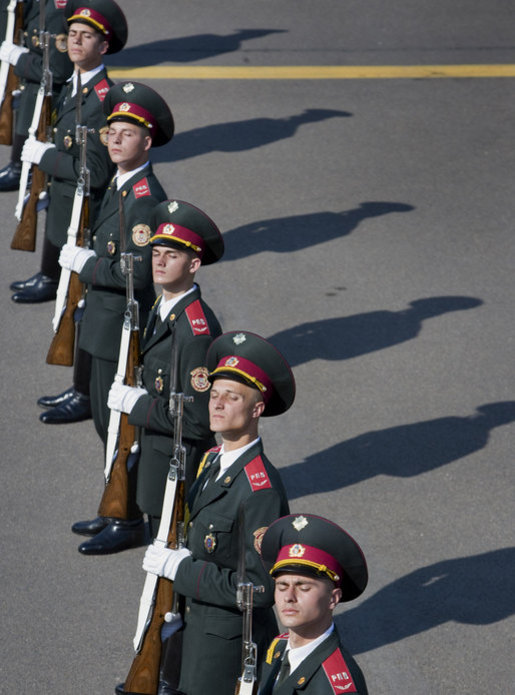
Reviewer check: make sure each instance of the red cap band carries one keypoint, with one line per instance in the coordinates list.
(300, 554)
(249, 370)
(94, 18)
(182, 235)
(134, 112)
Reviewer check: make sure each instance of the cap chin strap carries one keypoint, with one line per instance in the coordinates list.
(323, 569)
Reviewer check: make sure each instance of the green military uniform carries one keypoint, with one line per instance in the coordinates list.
(212, 641)
(101, 324)
(151, 411)
(29, 67)
(328, 670)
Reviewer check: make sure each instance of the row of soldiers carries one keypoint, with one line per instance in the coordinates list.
(237, 510)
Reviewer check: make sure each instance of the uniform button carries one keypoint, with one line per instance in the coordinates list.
(191, 524)
(187, 609)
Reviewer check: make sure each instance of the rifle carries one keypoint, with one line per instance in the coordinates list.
(247, 682)
(24, 238)
(158, 594)
(119, 461)
(8, 80)
(70, 289)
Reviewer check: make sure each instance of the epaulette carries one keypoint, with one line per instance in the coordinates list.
(271, 649)
(101, 89)
(141, 188)
(214, 450)
(257, 475)
(338, 674)
(197, 318)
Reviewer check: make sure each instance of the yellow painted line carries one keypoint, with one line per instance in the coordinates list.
(308, 72)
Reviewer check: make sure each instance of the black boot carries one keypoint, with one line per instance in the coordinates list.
(74, 409)
(116, 536)
(92, 527)
(44, 289)
(10, 177)
(53, 401)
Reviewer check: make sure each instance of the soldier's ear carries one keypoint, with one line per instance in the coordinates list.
(258, 409)
(335, 597)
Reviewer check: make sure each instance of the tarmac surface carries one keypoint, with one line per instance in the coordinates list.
(369, 234)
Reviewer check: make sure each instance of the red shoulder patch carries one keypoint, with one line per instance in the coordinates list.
(338, 674)
(257, 475)
(141, 188)
(197, 318)
(60, 4)
(101, 89)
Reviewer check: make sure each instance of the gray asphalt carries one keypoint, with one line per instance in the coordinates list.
(368, 228)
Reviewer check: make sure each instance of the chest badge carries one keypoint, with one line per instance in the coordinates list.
(159, 384)
(210, 543)
(68, 141)
(111, 247)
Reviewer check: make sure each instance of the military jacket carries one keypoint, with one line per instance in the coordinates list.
(328, 670)
(192, 326)
(63, 162)
(101, 323)
(213, 624)
(29, 67)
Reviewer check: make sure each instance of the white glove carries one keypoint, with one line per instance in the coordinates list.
(74, 257)
(123, 398)
(164, 561)
(10, 53)
(33, 150)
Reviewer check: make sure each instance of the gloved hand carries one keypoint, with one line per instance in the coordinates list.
(10, 53)
(164, 561)
(33, 150)
(74, 257)
(123, 398)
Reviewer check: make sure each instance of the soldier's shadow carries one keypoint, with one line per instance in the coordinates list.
(476, 590)
(238, 136)
(186, 49)
(297, 232)
(404, 451)
(351, 336)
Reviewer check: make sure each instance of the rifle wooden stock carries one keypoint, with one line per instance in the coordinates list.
(6, 110)
(143, 676)
(62, 347)
(24, 238)
(116, 500)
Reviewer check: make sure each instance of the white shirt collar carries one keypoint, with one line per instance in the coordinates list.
(120, 179)
(165, 307)
(296, 656)
(85, 77)
(227, 458)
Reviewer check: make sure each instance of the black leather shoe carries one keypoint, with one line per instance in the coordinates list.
(118, 535)
(53, 401)
(43, 290)
(75, 409)
(92, 527)
(10, 177)
(23, 284)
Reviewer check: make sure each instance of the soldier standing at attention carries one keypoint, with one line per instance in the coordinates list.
(250, 379)
(28, 66)
(180, 323)
(138, 119)
(315, 564)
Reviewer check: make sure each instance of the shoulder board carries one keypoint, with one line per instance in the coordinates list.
(201, 465)
(338, 674)
(257, 475)
(141, 188)
(101, 89)
(197, 318)
(271, 649)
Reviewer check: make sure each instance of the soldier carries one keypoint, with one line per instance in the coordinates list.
(315, 564)
(95, 28)
(28, 66)
(184, 239)
(250, 379)
(138, 119)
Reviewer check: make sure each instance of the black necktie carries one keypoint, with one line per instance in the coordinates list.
(284, 671)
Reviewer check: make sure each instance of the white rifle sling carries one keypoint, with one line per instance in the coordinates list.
(114, 417)
(26, 166)
(9, 36)
(64, 278)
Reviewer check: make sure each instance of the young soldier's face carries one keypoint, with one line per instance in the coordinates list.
(233, 407)
(85, 46)
(304, 604)
(173, 268)
(128, 145)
